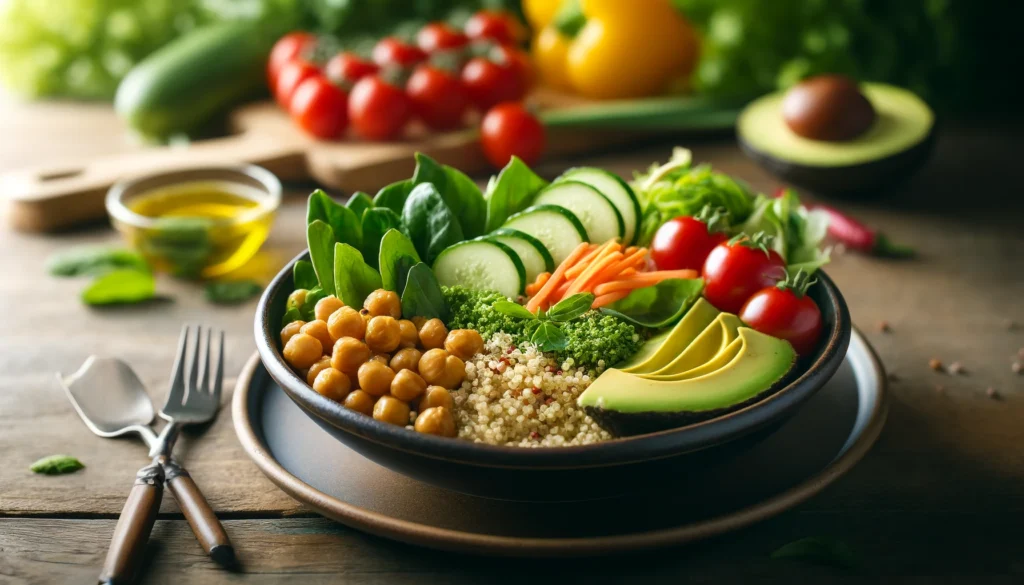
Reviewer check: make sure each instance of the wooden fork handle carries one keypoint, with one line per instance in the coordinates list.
(200, 516)
(133, 527)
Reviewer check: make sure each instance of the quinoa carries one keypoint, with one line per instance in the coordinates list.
(516, 395)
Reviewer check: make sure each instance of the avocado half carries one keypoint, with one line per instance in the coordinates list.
(896, 145)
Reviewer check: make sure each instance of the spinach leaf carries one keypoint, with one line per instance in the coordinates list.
(549, 337)
(569, 308)
(122, 286)
(397, 257)
(320, 238)
(393, 196)
(422, 296)
(359, 202)
(292, 314)
(376, 222)
(354, 279)
(657, 306)
(430, 223)
(511, 192)
(343, 221)
(306, 311)
(93, 261)
(303, 275)
(514, 310)
(458, 191)
(56, 465)
(232, 292)
(820, 550)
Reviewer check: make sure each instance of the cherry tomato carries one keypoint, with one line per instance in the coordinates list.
(378, 110)
(392, 52)
(489, 84)
(497, 26)
(515, 61)
(787, 314)
(348, 68)
(290, 47)
(438, 36)
(289, 77)
(507, 130)
(683, 242)
(735, 271)
(437, 97)
(320, 107)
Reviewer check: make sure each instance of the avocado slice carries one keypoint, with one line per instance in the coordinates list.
(897, 143)
(658, 351)
(626, 404)
(715, 337)
(716, 363)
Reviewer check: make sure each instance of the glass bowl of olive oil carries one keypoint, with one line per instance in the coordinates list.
(199, 222)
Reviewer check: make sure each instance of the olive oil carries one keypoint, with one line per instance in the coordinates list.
(200, 229)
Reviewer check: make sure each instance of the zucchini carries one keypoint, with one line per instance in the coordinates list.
(481, 265)
(616, 190)
(556, 227)
(598, 215)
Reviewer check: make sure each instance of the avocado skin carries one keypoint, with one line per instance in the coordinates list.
(877, 175)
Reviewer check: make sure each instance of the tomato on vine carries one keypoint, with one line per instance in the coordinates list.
(438, 36)
(490, 84)
(785, 311)
(737, 269)
(347, 68)
(378, 109)
(393, 52)
(288, 48)
(289, 77)
(437, 97)
(509, 129)
(320, 108)
(501, 27)
(685, 242)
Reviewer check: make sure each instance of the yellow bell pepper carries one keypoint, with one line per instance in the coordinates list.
(540, 13)
(551, 58)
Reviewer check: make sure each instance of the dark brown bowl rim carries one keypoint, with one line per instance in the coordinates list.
(668, 443)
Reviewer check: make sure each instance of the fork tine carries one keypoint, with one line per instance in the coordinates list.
(193, 373)
(177, 389)
(204, 378)
(219, 379)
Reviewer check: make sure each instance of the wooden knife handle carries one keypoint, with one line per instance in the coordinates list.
(200, 516)
(133, 527)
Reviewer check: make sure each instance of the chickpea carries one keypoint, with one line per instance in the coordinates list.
(382, 334)
(407, 385)
(318, 329)
(365, 315)
(432, 334)
(375, 378)
(289, 330)
(464, 343)
(297, 298)
(418, 322)
(360, 401)
(346, 322)
(332, 384)
(302, 351)
(432, 366)
(349, 354)
(454, 372)
(319, 366)
(391, 410)
(436, 396)
(383, 302)
(408, 333)
(383, 358)
(436, 420)
(406, 359)
(326, 306)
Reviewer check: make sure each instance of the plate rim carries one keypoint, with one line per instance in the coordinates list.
(460, 541)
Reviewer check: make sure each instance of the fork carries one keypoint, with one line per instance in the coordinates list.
(191, 400)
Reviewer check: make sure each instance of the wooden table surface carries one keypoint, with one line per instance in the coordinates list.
(940, 499)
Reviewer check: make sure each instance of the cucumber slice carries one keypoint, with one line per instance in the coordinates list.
(481, 265)
(555, 226)
(616, 190)
(534, 255)
(599, 216)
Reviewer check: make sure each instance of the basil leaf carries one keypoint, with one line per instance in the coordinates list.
(430, 223)
(376, 222)
(514, 310)
(657, 306)
(320, 238)
(511, 192)
(232, 292)
(397, 257)
(306, 311)
(422, 295)
(343, 221)
(820, 550)
(458, 191)
(549, 337)
(394, 195)
(354, 279)
(93, 261)
(56, 465)
(569, 308)
(303, 275)
(359, 202)
(120, 287)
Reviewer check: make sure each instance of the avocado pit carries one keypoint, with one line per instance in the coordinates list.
(829, 108)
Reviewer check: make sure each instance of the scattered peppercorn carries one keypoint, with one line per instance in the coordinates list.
(935, 364)
(1016, 367)
(956, 368)
(993, 393)
(883, 326)
(893, 377)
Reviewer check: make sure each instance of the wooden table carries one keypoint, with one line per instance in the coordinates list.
(939, 499)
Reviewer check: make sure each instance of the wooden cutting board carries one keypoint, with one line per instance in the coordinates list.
(52, 197)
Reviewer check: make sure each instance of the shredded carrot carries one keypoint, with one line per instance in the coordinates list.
(633, 260)
(589, 276)
(589, 260)
(559, 293)
(641, 279)
(533, 287)
(556, 278)
(627, 272)
(610, 298)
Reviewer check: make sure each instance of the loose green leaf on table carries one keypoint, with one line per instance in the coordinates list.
(56, 465)
(571, 307)
(510, 192)
(422, 295)
(393, 196)
(397, 257)
(122, 286)
(514, 310)
(304, 276)
(359, 202)
(430, 223)
(232, 292)
(93, 261)
(458, 191)
(657, 306)
(343, 221)
(320, 239)
(549, 337)
(819, 550)
(376, 222)
(354, 279)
